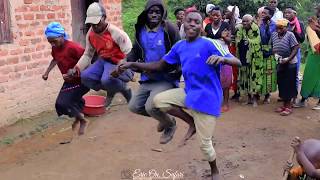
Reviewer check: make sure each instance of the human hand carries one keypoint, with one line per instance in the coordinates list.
(296, 143)
(215, 60)
(125, 65)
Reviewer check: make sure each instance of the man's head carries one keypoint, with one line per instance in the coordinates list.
(282, 25)
(228, 12)
(192, 25)
(179, 14)
(247, 21)
(55, 34)
(267, 13)
(154, 15)
(215, 15)
(273, 4)
(96, 17)
(290, 13)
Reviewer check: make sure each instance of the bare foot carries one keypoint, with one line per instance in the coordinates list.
(83, 126)
(190, 133)
(75, 124)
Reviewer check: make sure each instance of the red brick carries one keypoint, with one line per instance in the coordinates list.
(32, 65)
(24, 42)
(44, 8)
(29, 50)
(51, 15)
(3, 62)
(22, 26)
(40, 16)
(56, 8)
(28, 74)
(27, 1)
(40, 47)
(4, 78)
(25, 58)
(37, 56)
(15, 76)
(61, 15)
(34, 8)
(3, 52)
(35, 41)
(13, 60)
(36, 23)
(20, 67)
(29, 33)
(18, 17)
(47, 53)
(5, 70)
(43, 62)
(16, 52)
(23, 8)
(28, 16)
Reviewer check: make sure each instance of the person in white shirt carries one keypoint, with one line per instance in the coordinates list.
(273, 4)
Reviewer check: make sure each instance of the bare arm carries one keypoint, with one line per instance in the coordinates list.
(154, 66)
(294, 52)
(307, 165)
(215, 60)
(52, 64)
(87, 56)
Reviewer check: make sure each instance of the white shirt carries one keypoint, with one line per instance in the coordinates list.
(277, 15)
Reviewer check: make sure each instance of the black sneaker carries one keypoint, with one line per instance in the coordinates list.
(167, 134)
(127, 94)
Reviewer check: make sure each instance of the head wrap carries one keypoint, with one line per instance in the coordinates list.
(209, 8)
(236, 11)
(55, 30)
(282, 22)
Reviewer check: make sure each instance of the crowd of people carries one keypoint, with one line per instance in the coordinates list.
(255, 55)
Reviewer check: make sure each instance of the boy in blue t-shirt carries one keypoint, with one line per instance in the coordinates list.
(198, 104)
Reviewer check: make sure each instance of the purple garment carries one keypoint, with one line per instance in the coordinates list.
(226, 76)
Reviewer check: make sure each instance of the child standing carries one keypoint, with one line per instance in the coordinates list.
(65, 55)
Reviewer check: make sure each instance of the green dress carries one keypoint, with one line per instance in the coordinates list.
(269, 81)
(250, 75)
(311, 77)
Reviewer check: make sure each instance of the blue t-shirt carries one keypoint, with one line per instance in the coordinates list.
(154, 49)
(202, 82)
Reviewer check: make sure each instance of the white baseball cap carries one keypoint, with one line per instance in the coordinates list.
(94, 13)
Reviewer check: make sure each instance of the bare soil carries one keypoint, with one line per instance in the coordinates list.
(252, 143)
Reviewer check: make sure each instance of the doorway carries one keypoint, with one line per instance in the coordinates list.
(79, 28)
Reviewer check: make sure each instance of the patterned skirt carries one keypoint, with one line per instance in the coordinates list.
(269, 81)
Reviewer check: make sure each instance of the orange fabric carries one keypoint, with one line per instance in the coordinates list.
(296, 171)
(317, 48)
(106, 47)
(234, 86)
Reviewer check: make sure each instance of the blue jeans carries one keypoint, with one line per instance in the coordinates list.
(97, 76)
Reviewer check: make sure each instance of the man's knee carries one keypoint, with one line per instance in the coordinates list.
(159, 102)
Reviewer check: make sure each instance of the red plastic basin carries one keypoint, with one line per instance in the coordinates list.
(94, 105)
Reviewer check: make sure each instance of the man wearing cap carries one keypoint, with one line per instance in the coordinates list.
(112, 46)
(155, 36)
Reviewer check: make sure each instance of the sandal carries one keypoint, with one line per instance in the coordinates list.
(286, 112)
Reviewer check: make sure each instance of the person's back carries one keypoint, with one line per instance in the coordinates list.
(308, 157)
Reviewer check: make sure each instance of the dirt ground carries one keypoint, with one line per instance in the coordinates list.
(252, 144)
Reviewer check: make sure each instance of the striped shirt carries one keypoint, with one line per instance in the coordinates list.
(283, 46)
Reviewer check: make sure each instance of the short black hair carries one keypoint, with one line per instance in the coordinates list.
(216, 8)
(291, 7)
(178, 10)
(271, 11)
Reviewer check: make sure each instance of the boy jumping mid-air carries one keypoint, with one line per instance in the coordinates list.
(198, 104)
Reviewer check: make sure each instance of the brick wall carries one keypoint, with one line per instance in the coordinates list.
(22, 91)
